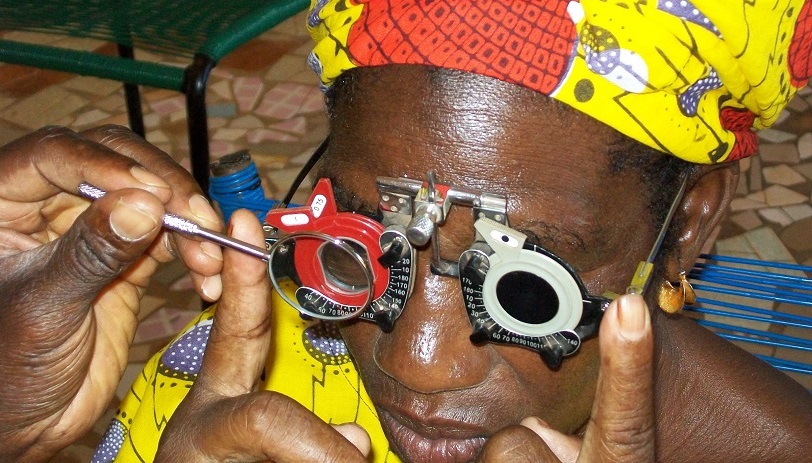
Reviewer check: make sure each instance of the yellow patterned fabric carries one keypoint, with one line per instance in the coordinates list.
(308, 363)
(691, 78)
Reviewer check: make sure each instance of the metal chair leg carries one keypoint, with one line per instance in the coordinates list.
(197, 74)
(132, 96)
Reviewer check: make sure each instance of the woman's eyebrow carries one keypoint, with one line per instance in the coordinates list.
(348, 201)
(552, 236)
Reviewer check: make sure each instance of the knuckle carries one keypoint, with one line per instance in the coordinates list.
(626, 438)
(262, 411)
(53, 139)
(107, 130)
(273, 418)
(265, 415)
(54, 134)
(112, 136)
(268, 417)
(91, 258)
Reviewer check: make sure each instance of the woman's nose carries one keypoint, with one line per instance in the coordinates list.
(429, 349)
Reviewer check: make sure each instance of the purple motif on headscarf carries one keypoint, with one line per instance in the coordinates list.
(687, 11)
(689, 100)
(602, 54)
(602, 62)
(313, 18)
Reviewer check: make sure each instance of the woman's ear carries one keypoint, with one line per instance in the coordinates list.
(703, 207)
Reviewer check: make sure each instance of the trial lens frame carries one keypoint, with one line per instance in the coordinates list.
(416, 209)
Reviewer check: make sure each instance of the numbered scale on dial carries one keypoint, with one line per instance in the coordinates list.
(520, 294)
(343, 264)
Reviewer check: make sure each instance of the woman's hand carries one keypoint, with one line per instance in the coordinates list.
(224, 417)
(621, 428)
(72, 274)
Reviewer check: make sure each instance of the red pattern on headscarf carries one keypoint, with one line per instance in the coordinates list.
(525, 43)
(799, 57)
(740, 122)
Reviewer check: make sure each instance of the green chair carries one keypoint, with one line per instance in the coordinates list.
(204, 31)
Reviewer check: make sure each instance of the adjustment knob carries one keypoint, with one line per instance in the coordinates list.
(385, 321)
(396, 249)
(420, 228)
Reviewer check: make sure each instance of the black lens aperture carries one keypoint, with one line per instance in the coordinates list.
(527, 297)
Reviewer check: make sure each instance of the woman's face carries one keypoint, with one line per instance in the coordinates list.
(438, 395)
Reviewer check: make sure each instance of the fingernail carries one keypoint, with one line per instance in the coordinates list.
(212, 250)
(356, 435)
(147, 178)
(131, 223)
(534, 422)
(212, 287)
(632, 315)
(201, 208)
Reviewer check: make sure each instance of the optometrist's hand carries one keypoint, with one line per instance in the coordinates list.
(621, 428)
(72, 274)
(224, 417)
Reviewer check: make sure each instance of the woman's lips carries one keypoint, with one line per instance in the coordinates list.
(433, 444)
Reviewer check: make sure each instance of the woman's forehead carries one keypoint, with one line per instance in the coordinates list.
(410, 119)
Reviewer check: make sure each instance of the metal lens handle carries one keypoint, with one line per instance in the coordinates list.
(311, 301)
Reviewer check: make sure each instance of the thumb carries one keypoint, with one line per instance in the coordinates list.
(516, 444)
(621, 428)
(356, 435)
(565, 447)
(105, 239)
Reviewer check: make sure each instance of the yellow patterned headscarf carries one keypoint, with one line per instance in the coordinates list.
(690, 78)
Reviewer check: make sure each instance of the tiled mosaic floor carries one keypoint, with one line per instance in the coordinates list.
(264, 98)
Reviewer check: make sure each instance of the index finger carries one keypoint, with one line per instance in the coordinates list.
(127, 143)
(54, 159)
(621, 427)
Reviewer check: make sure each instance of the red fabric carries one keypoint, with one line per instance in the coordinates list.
(799, 57)
(525, 43)
(740, 122)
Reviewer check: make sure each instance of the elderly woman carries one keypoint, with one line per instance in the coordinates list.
(585, 124)
(587, 117)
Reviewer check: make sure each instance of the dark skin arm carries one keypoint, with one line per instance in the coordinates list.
(693, 390)
(73, 276)
(621, 426)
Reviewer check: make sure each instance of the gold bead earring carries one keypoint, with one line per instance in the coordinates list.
(672, 299)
